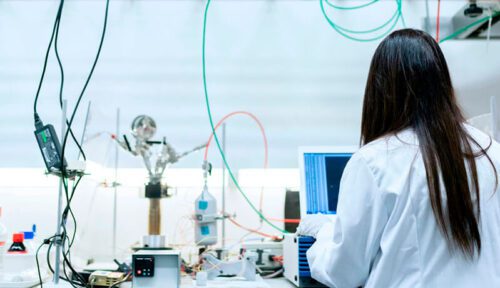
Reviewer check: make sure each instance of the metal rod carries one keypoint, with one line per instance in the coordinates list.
(87, 116)
(427, 18)
(59, 205)
(223, 188)
(115, 184)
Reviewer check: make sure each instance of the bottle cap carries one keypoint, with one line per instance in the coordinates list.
(29, 235)
(18, 237)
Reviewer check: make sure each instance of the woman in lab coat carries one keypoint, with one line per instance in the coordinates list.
(418, 203)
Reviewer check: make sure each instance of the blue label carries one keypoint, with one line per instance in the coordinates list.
(203, 205)
(205, 230)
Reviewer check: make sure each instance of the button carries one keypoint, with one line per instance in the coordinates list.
(139, 272)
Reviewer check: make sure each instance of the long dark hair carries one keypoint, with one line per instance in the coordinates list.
(409, 86)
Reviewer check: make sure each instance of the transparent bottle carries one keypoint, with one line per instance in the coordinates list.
(206, 219)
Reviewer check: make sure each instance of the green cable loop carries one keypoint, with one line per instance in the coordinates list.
(465, 28)
(371, 30)
(343, 32)
(351, 7)
(207, 102)
(400, 8)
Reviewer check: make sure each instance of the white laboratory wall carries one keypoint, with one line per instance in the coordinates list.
(277, 59)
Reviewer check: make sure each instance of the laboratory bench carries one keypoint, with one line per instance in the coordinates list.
(188, 283)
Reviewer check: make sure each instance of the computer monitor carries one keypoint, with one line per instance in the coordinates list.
(321, 169)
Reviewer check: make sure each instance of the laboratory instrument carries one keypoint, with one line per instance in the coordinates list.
(49, 145)
(268, 253)
(106, 278)
(156, 269)
(321, 170)
(470, 21)
(143, 129)
(244, 267)
(206, 214)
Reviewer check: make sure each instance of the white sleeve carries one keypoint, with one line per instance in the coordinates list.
(345, 251)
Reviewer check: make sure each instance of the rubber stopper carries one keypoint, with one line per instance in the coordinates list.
(18, 237)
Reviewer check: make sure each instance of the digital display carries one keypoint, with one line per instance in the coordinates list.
(323, 172)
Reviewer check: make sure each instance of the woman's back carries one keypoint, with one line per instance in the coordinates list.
(413, 249)
(417, 204)
(386, 234)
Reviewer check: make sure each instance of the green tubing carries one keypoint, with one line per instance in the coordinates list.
(371, 30)
(351, 7)
(344, 32)
(231, 174)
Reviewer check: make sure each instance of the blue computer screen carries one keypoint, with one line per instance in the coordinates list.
(323, 172)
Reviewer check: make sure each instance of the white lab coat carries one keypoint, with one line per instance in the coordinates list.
(385, 234)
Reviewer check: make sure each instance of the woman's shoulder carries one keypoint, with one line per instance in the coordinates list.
(388, 153)
(391, 144)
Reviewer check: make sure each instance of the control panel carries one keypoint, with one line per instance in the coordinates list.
(144, 266)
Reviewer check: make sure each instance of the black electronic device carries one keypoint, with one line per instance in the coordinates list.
(292, 209)
(144, 266)
(156, 190)
(50, 147)
(473, 11)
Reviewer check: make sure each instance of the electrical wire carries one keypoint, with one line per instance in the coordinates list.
(244, 113)
(292, 221)
(398, 15)
(120, 282)
(209, 112)
(66, 254)
(266, 149)
(45, 242)
(61, 70)
(273, 237)
(45, 61)
(54, 39)
(94, 64)
(274, 274)
(438, 19)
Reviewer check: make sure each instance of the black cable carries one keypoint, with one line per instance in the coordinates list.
(64, 173)
(38, 265)
(52, 269)
(35, 103)
(65, 239)
(48, 257)
(45, 242)
(63, 169)
(61, 87)
(73, 114)
(68, 210)
(67, 263)
(54, 37)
